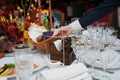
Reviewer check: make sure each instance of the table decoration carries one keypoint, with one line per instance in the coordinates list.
(10, 34)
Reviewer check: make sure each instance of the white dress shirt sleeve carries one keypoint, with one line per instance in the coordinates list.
(76, 26)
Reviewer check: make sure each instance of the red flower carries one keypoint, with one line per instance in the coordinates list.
(14, 33)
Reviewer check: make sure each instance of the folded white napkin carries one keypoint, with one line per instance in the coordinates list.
(63, 73)
(110, 56)
(58, 44)
(35, 31)
(84, 76)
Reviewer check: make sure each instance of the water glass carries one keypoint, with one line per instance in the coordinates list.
(23, 61)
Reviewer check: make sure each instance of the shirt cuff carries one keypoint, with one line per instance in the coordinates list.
(76, 26)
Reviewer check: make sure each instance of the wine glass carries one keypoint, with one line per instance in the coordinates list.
(76, 44)
(112, 39)
(23, 61)
(75, 47)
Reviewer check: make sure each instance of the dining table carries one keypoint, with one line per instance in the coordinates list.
(113, 73)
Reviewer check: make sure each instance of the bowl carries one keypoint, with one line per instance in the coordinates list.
(53, 63)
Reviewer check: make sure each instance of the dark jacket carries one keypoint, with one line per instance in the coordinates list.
(99, 12)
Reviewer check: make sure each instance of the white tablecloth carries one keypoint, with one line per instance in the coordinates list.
(114, 76)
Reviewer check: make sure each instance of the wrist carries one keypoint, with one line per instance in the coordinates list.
(75, 26)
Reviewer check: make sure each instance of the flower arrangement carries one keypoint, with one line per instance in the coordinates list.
(10, 33)
(14, 23)
(14, 30)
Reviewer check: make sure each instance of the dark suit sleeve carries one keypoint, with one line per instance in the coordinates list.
(99, 12)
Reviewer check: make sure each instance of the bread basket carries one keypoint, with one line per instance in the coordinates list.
(44, 46)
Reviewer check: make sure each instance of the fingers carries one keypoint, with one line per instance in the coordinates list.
(63, 31)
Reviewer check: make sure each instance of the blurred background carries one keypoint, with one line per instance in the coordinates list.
(70, 8)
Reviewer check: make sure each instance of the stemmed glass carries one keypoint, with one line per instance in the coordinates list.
(76, 47)
(23, 61)
(112, 39)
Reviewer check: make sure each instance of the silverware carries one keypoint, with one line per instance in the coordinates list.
(108, 71)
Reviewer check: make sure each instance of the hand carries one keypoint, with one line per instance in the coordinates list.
(64, 31)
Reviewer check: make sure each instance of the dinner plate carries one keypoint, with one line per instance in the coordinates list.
(98, 74)
(113, 63)
(112, 48)
(40, 62)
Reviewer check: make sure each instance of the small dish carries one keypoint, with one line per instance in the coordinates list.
(53, 63)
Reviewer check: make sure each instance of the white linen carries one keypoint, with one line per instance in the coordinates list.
(64, 73)
(3, 78)
(76, 26)
(110, 56)
(58, 44)
(37, 59)
(84, 76)
(35, 31)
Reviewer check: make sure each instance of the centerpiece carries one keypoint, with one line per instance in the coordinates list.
(10, 34)
(45, 19)
(44, 36)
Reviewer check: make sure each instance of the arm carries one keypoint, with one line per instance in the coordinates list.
(99, 12)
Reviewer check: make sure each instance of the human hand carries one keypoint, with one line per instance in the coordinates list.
(63, 31)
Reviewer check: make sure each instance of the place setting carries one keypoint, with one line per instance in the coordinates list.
(107, 63)
(98, 49)
(23, 61)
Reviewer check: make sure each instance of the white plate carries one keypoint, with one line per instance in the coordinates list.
(98, 74)
(112, 48)
(113, 63)
(36, 60)
(40, 62)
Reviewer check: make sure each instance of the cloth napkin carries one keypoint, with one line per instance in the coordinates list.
(35, 31)
(58, 44)
(64, 73)
(110, 56)
(84, 76)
